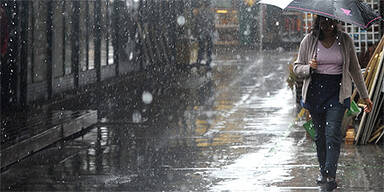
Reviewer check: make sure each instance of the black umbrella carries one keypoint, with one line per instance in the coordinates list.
(349, 11)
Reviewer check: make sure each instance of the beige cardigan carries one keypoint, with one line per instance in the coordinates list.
(351, 67)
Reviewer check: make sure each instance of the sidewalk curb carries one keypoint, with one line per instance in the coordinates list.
(41, 140)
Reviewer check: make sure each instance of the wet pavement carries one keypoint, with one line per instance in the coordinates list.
(228, 129)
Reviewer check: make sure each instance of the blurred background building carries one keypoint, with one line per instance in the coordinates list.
(53, 47)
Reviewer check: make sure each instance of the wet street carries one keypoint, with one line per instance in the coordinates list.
(229, 129)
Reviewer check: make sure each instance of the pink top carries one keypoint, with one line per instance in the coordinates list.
(330, 60)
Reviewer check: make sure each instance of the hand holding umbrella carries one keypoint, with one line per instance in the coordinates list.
(313, 63)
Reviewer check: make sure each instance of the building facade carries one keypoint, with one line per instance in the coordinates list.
(50, 47)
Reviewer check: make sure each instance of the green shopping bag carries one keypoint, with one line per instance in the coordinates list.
(353, 110)
(310, 128)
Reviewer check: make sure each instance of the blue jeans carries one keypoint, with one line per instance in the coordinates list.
(328, 138)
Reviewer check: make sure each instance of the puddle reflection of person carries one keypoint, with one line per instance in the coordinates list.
(328, 63)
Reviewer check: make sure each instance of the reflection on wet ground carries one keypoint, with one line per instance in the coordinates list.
(232, 131)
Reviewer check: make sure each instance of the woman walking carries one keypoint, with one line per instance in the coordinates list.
(328, 63)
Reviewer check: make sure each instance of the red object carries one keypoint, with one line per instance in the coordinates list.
(286, 24)
(4, 31)
(298, 21)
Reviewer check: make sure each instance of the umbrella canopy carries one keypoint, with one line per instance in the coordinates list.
(349, 11)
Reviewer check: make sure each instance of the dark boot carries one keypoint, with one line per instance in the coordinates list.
(321, 180)
(331, 184)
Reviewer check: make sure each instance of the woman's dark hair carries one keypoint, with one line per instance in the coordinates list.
(316, 30)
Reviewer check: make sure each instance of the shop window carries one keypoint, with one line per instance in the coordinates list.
(83, 36)
(355, 37)
(125, 30)
(91, 34)
(40, 41)
(68, 37)
(110, 54)
(30, 42)
(104, 33)
(57, 38)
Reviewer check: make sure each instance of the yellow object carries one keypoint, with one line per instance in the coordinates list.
(301, 113)
(250, 2)
(350, 136)
(221, 11)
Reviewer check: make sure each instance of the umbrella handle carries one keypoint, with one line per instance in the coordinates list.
(316, 53)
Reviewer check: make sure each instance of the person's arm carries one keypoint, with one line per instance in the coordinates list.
(357, 76)
(300, 67)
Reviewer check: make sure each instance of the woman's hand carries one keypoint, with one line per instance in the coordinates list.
(369, 104)
(313, 63)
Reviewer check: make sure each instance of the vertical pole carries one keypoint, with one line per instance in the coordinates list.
(87, 33)
(63, 38)
(141, 42)
(115, 32)
(1, 60)
(75, 38)
(261, 27)
(49, 50)
(24, 53)
(98, 39)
